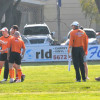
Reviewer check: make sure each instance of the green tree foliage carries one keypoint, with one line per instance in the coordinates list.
(90, 10)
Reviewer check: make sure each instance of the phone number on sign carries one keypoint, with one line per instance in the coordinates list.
(59, 57)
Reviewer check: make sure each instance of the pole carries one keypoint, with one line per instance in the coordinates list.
(58, 22)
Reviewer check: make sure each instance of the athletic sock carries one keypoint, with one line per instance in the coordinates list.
(0, 71)
(19, 73)
(11, 73)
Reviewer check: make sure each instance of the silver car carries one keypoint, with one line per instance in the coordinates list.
(92, 40)
(37, 34)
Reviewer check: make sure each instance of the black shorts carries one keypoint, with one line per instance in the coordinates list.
(3, 57)
(15, 58)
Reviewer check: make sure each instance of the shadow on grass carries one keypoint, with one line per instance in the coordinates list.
(63, 82)
(55, 63)
(43, 63)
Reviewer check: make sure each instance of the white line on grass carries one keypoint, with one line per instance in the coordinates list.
(49, 93)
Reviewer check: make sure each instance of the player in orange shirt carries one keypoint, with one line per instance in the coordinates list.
(15, 55)
(13, 29)
(78, 39)
(6, 37)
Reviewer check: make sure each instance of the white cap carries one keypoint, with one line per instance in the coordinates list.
(4, 29)
(75, 23)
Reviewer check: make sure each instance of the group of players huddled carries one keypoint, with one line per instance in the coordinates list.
(12, 51)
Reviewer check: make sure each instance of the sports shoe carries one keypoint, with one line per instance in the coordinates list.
(4, 80)
(11, 80)
(78, 80)
(97, 78)
(15, 80)
(18, 81)
(84, 80)
(87, 78)
(22, 78)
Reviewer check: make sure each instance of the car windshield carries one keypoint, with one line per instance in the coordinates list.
(90, 34)
(38, 30)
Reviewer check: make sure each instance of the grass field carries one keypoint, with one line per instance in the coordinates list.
(52, 81)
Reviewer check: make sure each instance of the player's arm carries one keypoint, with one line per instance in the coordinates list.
(24, 49)
(9, 48)
(86, 44)
(70, 44)
(2, 42)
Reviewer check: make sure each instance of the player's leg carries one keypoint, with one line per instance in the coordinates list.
(11, 72)
(86, 70)
(19, 73)
(11, 69)
(81, 64)
(18, 65)
(75, 58)
(1, 65)
(3, 58)
(6, 70)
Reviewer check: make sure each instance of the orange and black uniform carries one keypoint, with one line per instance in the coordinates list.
(78, 41)
(16, 44)
(4, 46)
(3, 57)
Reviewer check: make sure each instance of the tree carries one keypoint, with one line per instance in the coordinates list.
(98, 4)
(4, 5)
(9, 8)
(90, 10)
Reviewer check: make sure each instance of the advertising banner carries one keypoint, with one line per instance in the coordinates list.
(56, 53)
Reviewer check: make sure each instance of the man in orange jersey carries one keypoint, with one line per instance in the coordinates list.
(6, 37)
(13, 29)
(16, 55)
(78, 40)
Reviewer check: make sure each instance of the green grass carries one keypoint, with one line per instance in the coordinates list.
(52, 81)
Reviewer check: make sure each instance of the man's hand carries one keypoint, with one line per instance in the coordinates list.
(69, 55)
(2, 51)
(69, 52)
(22, 56)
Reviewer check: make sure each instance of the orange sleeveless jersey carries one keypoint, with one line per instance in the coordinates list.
(16, 44)
(5, 39)
(78, 38)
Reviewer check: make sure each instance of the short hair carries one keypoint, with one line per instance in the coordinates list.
(15, 27)
(17, 33)
(76, 27)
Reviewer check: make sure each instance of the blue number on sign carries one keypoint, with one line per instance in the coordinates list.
(95, 50)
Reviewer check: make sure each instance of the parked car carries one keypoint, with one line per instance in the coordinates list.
(98, 37)
(92, 40)
(37, 34)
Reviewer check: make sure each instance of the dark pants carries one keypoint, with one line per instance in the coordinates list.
(77, 57)
(6, 69)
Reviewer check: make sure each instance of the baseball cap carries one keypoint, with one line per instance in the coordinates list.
(75, 23)
(4, 29)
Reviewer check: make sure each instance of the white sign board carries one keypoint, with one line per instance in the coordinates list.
(56, 53)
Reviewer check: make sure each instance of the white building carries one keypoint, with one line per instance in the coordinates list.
(39, 11)
(70, 11)
(32, 11)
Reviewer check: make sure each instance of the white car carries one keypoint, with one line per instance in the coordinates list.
(37, 34)
(91, 37)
